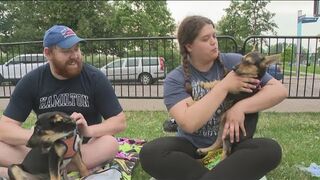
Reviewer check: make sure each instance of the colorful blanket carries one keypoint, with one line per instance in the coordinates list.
(212, 159)
(121, 167)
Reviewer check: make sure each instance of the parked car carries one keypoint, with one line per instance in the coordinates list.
(15, 68)
(275, 71)
(146, 70)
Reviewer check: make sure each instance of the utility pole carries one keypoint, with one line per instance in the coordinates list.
(301, 19)
(299, 27)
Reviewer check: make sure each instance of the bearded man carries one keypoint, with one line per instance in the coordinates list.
(68, 85)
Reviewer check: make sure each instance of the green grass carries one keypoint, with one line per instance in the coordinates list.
(310, 69)
(299, 136)
(297, 133)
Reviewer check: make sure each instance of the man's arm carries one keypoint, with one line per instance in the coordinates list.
(110, 126)
(12, 133)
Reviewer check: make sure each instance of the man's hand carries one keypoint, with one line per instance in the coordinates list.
(234, 122)
(82, 124)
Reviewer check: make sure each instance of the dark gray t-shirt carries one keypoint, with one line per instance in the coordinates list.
(90, 93)
(174, 91)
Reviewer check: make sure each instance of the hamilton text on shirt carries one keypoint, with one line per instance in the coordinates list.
(63, 100)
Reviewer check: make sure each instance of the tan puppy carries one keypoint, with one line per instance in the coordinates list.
(253, 65)
(55, 143)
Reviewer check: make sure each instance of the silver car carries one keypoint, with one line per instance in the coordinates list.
(146, 70)
(15, 68)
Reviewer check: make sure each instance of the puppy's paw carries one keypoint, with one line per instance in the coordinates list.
(208, 85)
(202, 151)
(16, 173)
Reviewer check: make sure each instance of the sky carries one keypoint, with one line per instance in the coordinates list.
(286, 14)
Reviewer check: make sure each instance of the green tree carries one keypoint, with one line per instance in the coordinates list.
(288, 56)
(276, 48)
(246, 18)
(27, 21)
(318, 56)
(143, 18)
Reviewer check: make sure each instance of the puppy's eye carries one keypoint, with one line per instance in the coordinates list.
(37, 129)
(52, 123)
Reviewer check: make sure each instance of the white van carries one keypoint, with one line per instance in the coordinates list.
(146, 70)
(14, 69)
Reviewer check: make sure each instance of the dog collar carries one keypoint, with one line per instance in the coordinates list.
(72, 144)
(74, 133)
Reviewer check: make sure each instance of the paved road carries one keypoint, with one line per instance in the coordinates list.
(288, 105)
(305, 86)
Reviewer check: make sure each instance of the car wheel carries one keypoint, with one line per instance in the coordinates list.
(145, 78)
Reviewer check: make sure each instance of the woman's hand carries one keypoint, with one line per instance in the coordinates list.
(235, 84)
(234, 122)
(82, 124)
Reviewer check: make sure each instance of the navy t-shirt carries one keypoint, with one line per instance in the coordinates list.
(90, 94)
(174, 92)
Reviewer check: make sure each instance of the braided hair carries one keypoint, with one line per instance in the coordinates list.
(188, 30)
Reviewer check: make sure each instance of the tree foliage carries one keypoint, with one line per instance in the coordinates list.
(143, 18)
(28, 20)
(289, 54)
(245, 18)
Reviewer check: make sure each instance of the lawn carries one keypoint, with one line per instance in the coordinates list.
(310, 70)
(298, 134)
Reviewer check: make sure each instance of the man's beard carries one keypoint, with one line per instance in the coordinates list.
(66, 70)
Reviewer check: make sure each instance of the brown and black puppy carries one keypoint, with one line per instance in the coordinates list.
(55, 143)
(253, 65)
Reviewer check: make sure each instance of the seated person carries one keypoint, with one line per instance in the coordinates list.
(68, 85)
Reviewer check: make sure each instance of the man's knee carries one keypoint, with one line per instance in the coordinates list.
(99, 150)
(107, 144)
(12, 154)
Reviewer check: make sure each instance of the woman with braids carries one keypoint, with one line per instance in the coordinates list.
(175, 158)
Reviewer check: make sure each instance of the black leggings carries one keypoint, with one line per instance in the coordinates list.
(175, 158)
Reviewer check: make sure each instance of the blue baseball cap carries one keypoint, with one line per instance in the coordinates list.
(61, 36)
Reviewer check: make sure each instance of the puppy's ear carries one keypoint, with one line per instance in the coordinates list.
(270, 60)
(57, 118)
(255, 47)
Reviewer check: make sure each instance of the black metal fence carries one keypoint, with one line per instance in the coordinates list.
(137, 66)
(300, 61)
